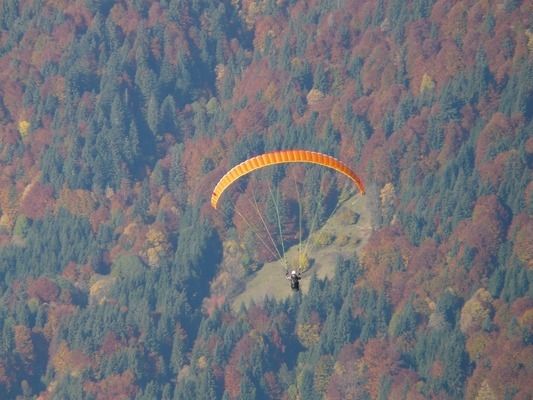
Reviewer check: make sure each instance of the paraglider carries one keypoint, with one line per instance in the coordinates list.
(295, 280)
(282, 157)
(274, 158)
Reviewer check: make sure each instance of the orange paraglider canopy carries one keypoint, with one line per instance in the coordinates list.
(282, 157)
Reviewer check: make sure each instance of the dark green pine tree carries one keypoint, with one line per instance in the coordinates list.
(177, 355)
(328, 336)
(206, 385)
(151, 391)
(345, 326)
(166, 394)
(143, 201)
(455, 364)
(305, 385)
(185, 390)
(168, 121)
(247, 389)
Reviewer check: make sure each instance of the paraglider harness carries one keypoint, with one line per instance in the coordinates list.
(295, 280)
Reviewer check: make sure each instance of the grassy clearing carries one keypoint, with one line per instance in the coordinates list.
(345, 233)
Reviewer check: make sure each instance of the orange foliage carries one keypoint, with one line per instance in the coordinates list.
(66, 361)
(77, 201)
(381, 360)
(267, 26)
(24, 346)
(475, 311)
(386, 253)
(56, 312)
(194, 153)
(232, 371)
(156, 245)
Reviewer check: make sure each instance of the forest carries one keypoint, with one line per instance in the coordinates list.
(117, 277)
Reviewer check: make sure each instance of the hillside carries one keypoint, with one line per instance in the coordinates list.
(118, 280)
(347, 237)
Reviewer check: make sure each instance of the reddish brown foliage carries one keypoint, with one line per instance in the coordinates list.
(232, 372)
(12, 97)
(386, 254)
(267, 26)
(98, 217)
(454, 136)
(71, 272)
(232, 379)
(349, 378)
(499, 129)
(212, 303)
(255, 79)
(36, 200)
(155, 15)
(43, 289)
(274, 388)
(483, 233)
(511, 367)
(114, 387)
(78, 202)
(56, 313)
(521, 233)
(6, 375)
(126, 18)
(250, 119)
(259, 319)
(110, 344)
(381, 360)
